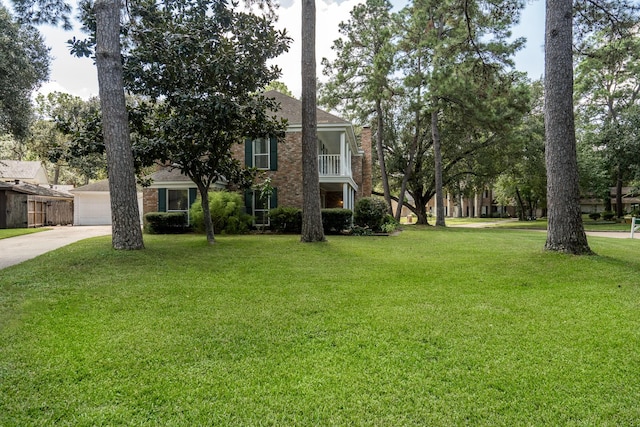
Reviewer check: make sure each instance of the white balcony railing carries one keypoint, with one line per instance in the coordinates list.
(329, 165)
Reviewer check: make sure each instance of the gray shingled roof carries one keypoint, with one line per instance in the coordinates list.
(169, 174)
(94, 186)
(8, 186)
(16, 169)
(37, 190)
(43, 191)
(291, 109)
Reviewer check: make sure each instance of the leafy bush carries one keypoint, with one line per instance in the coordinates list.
(594, 216)
(286, 220)
(356, 230)
(335, 221)
(165, 223)
(370, 213)
(608, 215)
(389, 225)
(226, 213)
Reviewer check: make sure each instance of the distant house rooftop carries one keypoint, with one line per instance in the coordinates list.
(27, 171)
(102, 185)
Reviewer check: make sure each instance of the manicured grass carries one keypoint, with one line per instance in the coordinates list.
(5, 233)
(431, 327)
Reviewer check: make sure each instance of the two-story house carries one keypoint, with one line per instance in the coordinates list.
(344, 163)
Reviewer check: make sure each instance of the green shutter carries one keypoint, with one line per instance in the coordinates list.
(273, 203)
(248, 202)
(273, 153)
(248, 152)
(162, 199)
(193, 195)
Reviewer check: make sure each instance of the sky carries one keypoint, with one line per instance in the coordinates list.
(78, 76)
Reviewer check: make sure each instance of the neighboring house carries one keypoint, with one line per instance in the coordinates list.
(19, 171)
(93, 204)
(479, 205)
(345, 166)
(28, 205)
(630, 201)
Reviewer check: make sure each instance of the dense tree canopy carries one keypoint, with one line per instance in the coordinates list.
(24, 65)
(608, 95)
(68, 133)
(203, 65)
(436, 79)
(360, 77)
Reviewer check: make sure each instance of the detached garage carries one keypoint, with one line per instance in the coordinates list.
(92, 204)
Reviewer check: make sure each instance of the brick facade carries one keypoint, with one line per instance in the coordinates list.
(149, 200)
(288, 178)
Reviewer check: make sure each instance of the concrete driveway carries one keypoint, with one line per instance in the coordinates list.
(15, 250)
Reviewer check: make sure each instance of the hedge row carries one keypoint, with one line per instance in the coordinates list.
(165, 222)
(289, 220)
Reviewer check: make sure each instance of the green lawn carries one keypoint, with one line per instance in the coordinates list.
(430, 327)
(5, 233)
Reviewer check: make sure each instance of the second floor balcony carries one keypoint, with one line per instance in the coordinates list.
(334, 165)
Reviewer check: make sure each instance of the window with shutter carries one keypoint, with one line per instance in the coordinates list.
(261, 207)
(261, 153)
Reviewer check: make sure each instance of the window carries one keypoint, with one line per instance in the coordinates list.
(261, 206)
(177, 200)
(261, 153)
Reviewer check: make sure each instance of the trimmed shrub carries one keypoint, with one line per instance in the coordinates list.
(165, 223)
(336, 220)
(608, 215)
(370, 213)
(226, 213)
(594, 216)
(286, 220)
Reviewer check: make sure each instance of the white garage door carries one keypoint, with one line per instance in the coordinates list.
(92, 209)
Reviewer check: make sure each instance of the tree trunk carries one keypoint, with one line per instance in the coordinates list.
(312, 230)
(521, 213)
(125, 216)
(206, 213)
(56, 174)
(437, 154)
(421, 210)
(565, 230)
(619, 207)
(408, 169)
(381, 161)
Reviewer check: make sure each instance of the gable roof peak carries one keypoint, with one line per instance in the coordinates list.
(291, 109)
